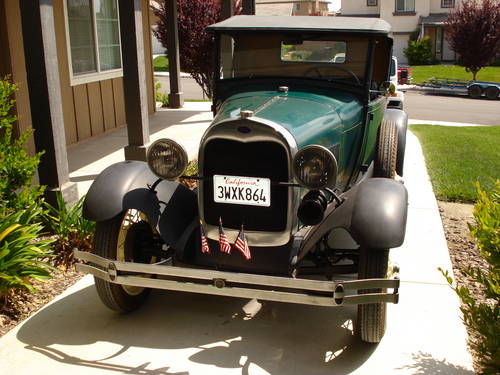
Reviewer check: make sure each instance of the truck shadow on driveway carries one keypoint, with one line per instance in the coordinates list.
(216, 331)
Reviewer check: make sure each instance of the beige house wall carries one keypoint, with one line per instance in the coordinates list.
(436, 6)
(88, 109)
(350, 7)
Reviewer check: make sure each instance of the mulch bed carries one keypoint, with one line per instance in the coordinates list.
(463, 253)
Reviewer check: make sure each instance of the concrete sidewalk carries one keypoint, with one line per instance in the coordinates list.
(181, 333)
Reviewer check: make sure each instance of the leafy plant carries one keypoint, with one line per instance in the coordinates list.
(191, 170)
(484, 317)
(160, 96)
(419, 52)
(71, 229)
(21, 255)
(17, 168)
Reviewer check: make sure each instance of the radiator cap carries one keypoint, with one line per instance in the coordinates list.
(246, 114)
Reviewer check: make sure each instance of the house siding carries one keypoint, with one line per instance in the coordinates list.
(93, 108)
(88, 109)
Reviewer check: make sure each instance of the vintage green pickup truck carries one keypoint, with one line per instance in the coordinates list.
(298, 179)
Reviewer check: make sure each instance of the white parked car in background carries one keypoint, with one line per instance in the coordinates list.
(397, 97)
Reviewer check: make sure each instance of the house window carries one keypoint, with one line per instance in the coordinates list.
(447, 3)
(94, 37)
(405, 6)
(371, 3)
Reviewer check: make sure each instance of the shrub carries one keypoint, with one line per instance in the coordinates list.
(484, 317)
(71, 229)
(17, 167)
(419, 52)
(21, 256)
(191, 170)
(160, 96)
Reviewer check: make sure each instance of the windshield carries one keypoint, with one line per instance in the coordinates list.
(324, 57)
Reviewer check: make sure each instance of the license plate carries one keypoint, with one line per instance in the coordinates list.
(249, 191)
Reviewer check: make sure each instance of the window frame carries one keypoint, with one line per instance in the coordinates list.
(99, 75)
(371, 3)
(405, 11)
(452, 5)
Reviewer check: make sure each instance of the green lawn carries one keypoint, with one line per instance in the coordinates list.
(160, 64)
(457, 157)
(422, 73)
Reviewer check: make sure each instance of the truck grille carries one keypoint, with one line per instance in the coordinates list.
(253, 159)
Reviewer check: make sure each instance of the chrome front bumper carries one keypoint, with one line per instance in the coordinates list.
(271, 288)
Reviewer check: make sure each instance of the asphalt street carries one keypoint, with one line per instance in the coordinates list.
(421, 106)
(418, 105)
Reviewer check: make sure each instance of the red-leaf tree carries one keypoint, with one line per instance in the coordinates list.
(195, 44)
(473, 31)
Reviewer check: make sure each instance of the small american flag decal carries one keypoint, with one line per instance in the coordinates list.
(204, 243)
(242, 244)
(224, 245)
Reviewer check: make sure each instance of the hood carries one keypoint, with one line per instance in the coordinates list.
(310, 118)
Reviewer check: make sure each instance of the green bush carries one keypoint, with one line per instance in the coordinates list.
(419, 52)
(71, 229)
(21, 256)
(484, 317)
(160, 96)
(17, 168)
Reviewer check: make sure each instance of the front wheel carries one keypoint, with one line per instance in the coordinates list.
(123, 238)
(373, 263)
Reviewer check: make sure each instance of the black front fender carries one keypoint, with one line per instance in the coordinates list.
(171, 208)
(374, 212)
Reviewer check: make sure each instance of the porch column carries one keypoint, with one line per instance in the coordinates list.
(175, 97)
(226, 42)
(40, 50)
(134, 79)
(249, 7)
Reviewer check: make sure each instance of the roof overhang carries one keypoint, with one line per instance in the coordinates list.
(438, 19)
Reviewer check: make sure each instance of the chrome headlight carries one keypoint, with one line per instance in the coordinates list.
(315, 167)
(167, 159)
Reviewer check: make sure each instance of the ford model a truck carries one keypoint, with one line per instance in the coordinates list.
(297, 176)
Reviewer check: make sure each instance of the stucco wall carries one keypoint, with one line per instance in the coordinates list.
(350, 7)
(435, 6)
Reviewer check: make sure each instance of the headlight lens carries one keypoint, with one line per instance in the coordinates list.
(167, 159)
(315, 167)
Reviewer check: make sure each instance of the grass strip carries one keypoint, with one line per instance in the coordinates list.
(422, 73)
(457, 157)
(160, 64)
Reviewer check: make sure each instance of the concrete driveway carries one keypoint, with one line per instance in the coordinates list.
(181, 333)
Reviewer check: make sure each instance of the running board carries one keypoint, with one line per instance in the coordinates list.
(271, 288)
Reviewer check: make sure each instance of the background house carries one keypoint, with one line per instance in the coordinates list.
(292, 7)
(406, 16)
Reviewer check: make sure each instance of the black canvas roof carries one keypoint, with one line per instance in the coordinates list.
(303, 23)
